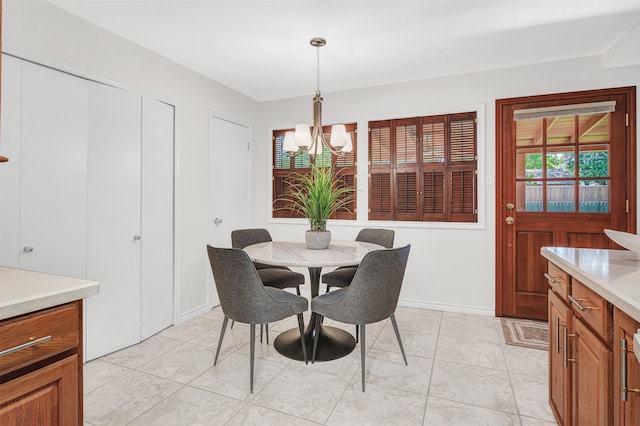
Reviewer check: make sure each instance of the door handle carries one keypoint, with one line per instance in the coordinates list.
(510, 220)
(217, 221)
(27, 249)
(136, 237)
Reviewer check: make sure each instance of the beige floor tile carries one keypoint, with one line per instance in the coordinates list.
(416, 343)
(532, 396)
(388, 369)
(123, 399)
(531, 362)
(182, 364)
(378, 405)
(423, 320)
(478, 386)
(470, 352)
(136, 355)
(231, 377)
(190, 407)
(98, 373)
(442, 412)
(191, 330)
(253, 415)
(530, 421)
(467, 326)
(303, 393)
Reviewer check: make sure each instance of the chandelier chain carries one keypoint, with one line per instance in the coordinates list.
(318, 68)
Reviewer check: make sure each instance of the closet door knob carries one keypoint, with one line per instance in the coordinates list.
(27, 249)
(136, 237)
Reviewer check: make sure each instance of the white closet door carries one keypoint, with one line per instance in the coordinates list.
(113, 231)
(157, 293)
(53, 175)
(10, 171)
(229, 185)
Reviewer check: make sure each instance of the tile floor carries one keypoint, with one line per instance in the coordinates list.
(460, 373)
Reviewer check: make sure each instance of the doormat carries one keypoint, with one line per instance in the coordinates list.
(526, 333)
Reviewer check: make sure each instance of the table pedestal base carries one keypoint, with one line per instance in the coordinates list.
(333, 343)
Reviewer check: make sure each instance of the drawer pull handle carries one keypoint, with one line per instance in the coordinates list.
(565, 349)
(579, 305)
(25, 345)
(551, 279)
(624, 390)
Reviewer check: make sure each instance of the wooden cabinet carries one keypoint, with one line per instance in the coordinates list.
(626, 371)
(580, 352)
(41, 384)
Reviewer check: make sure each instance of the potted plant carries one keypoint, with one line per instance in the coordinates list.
(317, 196)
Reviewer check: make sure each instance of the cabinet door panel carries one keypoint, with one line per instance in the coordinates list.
(53, 180)
(626, 413)
(559, 377)
(592, 382)
(114, 194)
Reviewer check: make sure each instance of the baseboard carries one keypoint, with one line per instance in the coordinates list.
(192, 313)
(463, 309)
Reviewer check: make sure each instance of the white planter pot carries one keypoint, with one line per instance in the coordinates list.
(317, 240)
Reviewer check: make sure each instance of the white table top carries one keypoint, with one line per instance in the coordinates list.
(23, 291)
(613, 274)
(296, 253)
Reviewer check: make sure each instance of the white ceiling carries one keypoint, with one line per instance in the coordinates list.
(261, 47)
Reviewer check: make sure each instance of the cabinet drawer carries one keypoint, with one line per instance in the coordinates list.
(58, 328)
(558, 281)
(593, 309)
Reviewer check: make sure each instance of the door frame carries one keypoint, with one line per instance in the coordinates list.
(558, 98)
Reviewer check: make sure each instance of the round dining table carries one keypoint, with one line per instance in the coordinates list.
(333, 343)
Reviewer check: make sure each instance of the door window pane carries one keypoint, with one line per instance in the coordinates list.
(529, 132)
(529, 164)
(560, 163)
(529, 196)
(560, 130)
(593, 161)
(594, 196)
(593, 127)
(561, 196)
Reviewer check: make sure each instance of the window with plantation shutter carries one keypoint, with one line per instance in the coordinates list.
(424, 169)
(284, 164)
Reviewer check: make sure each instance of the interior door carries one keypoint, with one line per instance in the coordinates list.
(566, 172)
(114, 228)
(229, 184)
(53, 175)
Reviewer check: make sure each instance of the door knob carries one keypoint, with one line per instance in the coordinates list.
(27, 249)
(217, 221)
(510, 220)
(136, 237)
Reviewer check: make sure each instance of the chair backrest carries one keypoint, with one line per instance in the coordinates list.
(243, 297)
(241, 238)
(382, 237)
(375, 288)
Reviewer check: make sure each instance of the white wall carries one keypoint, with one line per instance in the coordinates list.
(449, 268)
(40, 32)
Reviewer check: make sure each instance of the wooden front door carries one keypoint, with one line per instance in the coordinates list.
(565, 172)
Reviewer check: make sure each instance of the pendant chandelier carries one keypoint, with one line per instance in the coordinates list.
(312, 140)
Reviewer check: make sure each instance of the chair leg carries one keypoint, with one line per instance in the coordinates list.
(298, 290)
(328, 288)
(315, 339)
(363, 349)
(357, 328)
(232, 323)
(252, 355)
(261, 327)
(266, 330)
(224, 327)
(395, 328)
(304, 346)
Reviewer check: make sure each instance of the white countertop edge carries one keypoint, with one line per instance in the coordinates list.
(616, 298)
(47, 300)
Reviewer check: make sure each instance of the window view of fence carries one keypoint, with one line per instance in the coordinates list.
(563, 164)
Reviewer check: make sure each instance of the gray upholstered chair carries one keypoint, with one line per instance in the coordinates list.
(270, 275)
(243, 298)
(371, 297)
(342, 276)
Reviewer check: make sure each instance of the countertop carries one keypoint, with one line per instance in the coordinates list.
(613, 274)
(23, 291)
